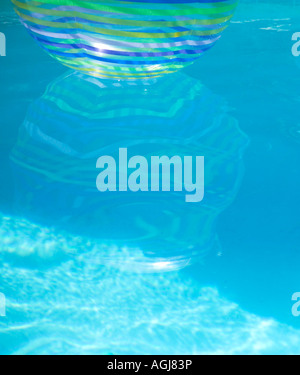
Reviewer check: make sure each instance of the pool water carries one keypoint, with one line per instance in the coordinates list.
(85, 272)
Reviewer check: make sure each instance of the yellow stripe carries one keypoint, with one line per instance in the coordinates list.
(117, 21)
(77, 25)
(136, 9)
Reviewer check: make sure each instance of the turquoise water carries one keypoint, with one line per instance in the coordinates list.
(148, 273)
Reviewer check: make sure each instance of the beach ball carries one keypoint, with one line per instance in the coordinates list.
(135, 39)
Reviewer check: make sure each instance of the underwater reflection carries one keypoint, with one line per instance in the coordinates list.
(79, 119)
(65, 257)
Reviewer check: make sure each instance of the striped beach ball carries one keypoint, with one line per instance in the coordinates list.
(121, 39)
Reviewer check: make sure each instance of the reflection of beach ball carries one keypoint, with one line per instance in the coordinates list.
(81, 118)
(126, 39)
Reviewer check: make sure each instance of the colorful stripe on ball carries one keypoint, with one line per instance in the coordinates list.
(126, 39)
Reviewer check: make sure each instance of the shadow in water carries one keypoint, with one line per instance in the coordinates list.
(79, 119)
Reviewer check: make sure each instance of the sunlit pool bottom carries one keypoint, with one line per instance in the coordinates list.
(81, 308)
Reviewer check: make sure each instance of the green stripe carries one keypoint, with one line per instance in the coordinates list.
(118, 21)
(126, 34)
(180, 10)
